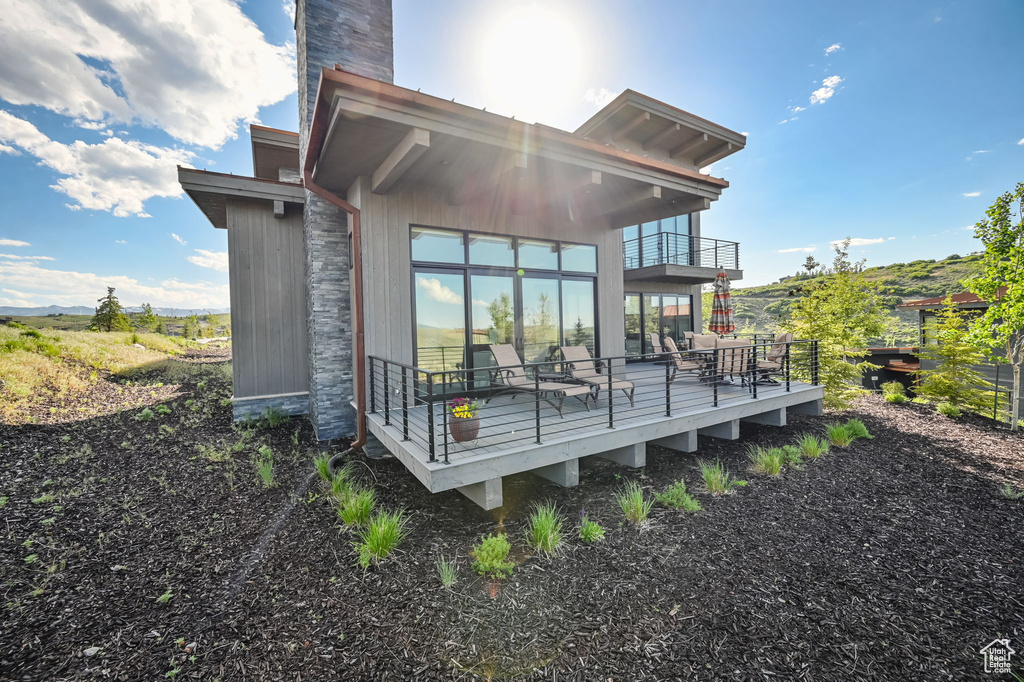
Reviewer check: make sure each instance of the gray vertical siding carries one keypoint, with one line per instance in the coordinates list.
(268, 305)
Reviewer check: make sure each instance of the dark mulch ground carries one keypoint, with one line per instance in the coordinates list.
(894, 559)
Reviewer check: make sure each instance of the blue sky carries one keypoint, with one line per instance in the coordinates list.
(915, 129)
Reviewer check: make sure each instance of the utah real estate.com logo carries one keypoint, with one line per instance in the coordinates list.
(997, 656)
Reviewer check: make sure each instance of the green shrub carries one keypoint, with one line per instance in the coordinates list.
(265, 466)
(716, 477)
(163, 409)
(490, 556)
(895, 398)
(590, 531)
(812, 446)
(447, 571)
(893, 388)
(1010, 492)
(381, 536)
(145, 416)
(545, 529)
(792, 455)
(856, 429)
(358, 505)
(632, 502)
(273, 417)
(676, 497)
(32, 333)
(766, 460)
(948, 410)
(838, 435)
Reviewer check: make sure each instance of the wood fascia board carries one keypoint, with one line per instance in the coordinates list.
(630, 125)
(719, 152)
(655, 140)
(253, 188)
(689, 145)
(688, 120)
(362, 105)
(401, 158)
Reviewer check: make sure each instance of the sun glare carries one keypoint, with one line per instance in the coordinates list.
(531, 62)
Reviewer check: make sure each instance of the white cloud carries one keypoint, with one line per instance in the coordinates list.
(289, 8)
(861, 241)
(437, 291)
(599, 97)
(972, 194)
(10, 256)
(983, 151)
(1020, 141)
(53, 286)
(178, 239)
(4, 149)
(787, 120)
(801, 249)
(13, 242)
(120, 241)
(194, 68)
(827, 89)
(745, 134)
(834, 47)
(797, 109)
(114, 175)
(216, 260)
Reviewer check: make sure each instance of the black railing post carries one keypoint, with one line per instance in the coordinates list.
(430, 415)
(668, 388)
(752, 373)
(536, 402)
(995, 398)
(373, 389)
(714, 375)
(785, 361)
(717, 259)
(445, 432)
(814, 362)
(736, 256)
(387, 396)
(405, 404)
(611, 406)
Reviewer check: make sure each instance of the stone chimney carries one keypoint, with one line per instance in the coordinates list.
(358, 36)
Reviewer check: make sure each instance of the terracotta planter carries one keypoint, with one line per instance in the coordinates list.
(464, 429)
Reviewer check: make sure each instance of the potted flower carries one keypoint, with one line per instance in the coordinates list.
(464, 419)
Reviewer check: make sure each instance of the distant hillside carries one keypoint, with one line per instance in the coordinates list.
(758, 309)
(85, 310)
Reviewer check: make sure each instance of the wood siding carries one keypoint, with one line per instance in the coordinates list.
(268, 302)
(387, 268)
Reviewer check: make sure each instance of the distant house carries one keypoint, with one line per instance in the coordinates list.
(397, 235)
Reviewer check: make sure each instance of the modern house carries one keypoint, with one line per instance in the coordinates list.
(378, 253)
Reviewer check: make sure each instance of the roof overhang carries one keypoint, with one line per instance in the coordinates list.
(678, 274)
(210, 191)
(272, 150)
(642, 124)
(400, 137)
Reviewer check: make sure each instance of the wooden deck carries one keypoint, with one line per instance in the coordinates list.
(508, 439)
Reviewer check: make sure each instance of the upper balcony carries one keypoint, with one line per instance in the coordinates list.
(679, 258)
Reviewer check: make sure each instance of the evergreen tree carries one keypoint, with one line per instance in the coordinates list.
(955, 354)
(147, 319)
(191, 327)
(110, 315)
(842, 310)
(1001, 283)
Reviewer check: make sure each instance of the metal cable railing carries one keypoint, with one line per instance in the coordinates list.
(666, 248)
(534, 403)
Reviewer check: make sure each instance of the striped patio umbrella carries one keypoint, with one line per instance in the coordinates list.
(721, 308)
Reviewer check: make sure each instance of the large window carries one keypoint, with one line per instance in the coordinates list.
(473, 290)
(658, 242)
(662, 314)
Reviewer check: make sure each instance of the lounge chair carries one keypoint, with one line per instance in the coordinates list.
(776, 359)
(734, 357)
(513, 375)
(681, 362)
(582, 368)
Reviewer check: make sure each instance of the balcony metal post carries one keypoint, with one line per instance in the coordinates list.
(611, 406)
(445, 433)
(668, 388)
(387, 396)
(814, 362)
(785, 360)
(736, 256)
(536, 402)
(373, 389)
(405, 405)
(430, 415)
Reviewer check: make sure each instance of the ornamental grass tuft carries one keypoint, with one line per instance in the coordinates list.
(857, 429)
(632, 502)
(545, 529)
(716, 477)
(447, 571)
(381, 536)
(838, 435)
(357, 506)
(948, 410)
(811, 446)
(766, 460)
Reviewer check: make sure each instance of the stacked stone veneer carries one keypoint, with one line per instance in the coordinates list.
(357, 35)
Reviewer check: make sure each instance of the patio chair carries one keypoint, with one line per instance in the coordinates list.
(582, 368)
(656, 347)
(734, 357)
(680, 363)
(688, 340)
(775, 361)
(513, 375)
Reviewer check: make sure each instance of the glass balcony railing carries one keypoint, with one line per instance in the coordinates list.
(679, 249)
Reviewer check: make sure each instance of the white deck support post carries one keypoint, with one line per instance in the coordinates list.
(565, 474)
(729, 430)
(681, 442)
(634, 456)
(775, 417)
(487, 493)
(815, 408)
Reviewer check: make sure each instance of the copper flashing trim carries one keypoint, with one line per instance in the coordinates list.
(525, 133)
(240, 177)
(254, 126)
(317, 131)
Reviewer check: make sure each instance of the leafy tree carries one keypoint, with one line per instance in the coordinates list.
(810, 265)
(955, 354)
(842, 310)
(147, 319)
(1001, 283)
(160, 328)
(502, 319)
(110, 315)
(191, 328)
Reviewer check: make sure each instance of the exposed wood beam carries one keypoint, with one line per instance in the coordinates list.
(689, 145)
(715, 154)
(655, 140)
(401, 158)
(631, 125)
(513, 168)
(565, 194)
